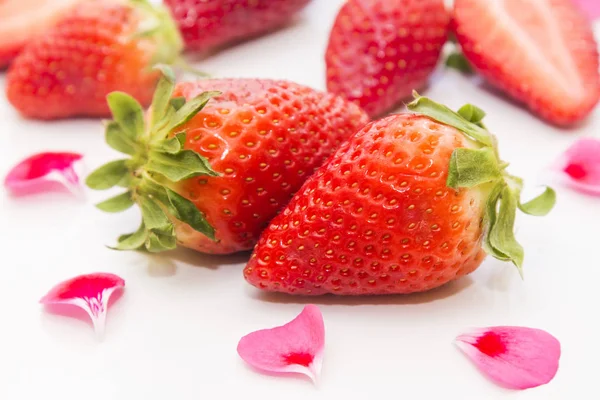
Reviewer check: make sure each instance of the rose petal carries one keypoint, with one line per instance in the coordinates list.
(579, 167)
(44, 172)
(295, 347)
(591, 8)
(89, 292)
(513, 357)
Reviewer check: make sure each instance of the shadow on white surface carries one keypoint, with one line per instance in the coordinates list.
(165, 264)
(502, 279)
(448, 290)
(195, 57)
(280, 375)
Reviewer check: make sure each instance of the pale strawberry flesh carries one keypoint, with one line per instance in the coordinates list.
(542, 53)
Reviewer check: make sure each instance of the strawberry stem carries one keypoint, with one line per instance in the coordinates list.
(157, 24)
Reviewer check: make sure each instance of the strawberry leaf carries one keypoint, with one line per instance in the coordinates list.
(161, 240)
(118, 139)
(502, 237)
(177, 102)
(471, 167)
(157, 192)
(541, 205)
(441, 113)
(116, 204)
(162, 95)
(491, 216)
(472, 113)
(153, 214)
(108, 175)
(179, 166)
(458, 62)
(173, 145)
(132, 241)
(127, 113)
(191, 108)
(189, 213)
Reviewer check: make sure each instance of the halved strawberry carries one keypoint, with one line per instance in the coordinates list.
(24, 19)
(540, 52)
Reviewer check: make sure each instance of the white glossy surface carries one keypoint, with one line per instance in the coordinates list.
(173, 335)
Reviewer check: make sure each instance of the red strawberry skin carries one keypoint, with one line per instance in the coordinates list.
(22, 20)
(377, 218)
(379, 51)
(265, 138)
(7, 54)
(69, 70)
(550, 63)
(207, 24)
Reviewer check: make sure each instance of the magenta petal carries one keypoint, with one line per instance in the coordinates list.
(90, 292)
(513, 357)
(294, 347)
(579, 167)
(591, 8)
(44, 172)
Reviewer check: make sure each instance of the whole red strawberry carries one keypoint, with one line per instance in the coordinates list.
(96, 48)
(409, 203)
(542, 53)
(210, 175)
(24, 20)
(381, 50)
(207, 24)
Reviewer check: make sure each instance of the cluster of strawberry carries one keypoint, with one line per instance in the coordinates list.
(333, 196)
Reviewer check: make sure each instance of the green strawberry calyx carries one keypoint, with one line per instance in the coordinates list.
(157, 161)
(456, 60)
(479, 166)
(158, 26)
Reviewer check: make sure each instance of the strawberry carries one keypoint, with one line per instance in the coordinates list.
(23, 20)
(409, 203)
(210, 176)
(379, 51)
(96, 48)
(208, 24)
(541, 53)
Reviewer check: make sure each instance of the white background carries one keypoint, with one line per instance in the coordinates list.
(173, 335)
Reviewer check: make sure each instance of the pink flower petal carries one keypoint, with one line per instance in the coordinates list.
(591, 8)
(579, 167)
(89, 292)
(295, 347)
(44, 172)
(513, 357)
